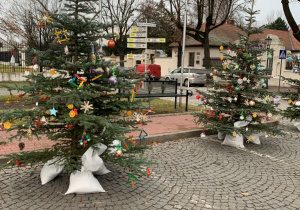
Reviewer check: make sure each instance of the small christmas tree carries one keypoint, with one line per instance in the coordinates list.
(237, 102)
(293, 111)
(76, 99)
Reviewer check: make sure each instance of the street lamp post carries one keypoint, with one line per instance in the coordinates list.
(268, 42)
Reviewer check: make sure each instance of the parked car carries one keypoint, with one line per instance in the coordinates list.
(194, 75)
(154, 70)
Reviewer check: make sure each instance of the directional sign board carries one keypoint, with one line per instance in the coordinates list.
(146, 24)
(138, 29)
(136, 45)
(136, 40)
(138, 34)
(156, 40)
(282, 54)
(135, 55)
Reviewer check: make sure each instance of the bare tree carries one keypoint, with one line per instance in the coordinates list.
(290, 18)
(154, 12)
(120, 13)
(20, 21)
(213, 13)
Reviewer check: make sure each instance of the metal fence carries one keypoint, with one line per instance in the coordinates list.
(12, 57)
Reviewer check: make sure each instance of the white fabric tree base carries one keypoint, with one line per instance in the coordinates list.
(234, 141)
(255, 138)
(221, 136)
(297, 124)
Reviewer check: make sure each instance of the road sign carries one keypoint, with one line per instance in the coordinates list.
(282, 54)
(135, 55)
(146, 24)
(138, 29)
(138, 34)
(136, 45)
(136, 40)
(156, 40)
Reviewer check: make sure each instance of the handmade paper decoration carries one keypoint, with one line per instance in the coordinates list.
(84, 139)
(259, 67)
(52, 72)
(38, 123)
(53, 111)
(11, 99)
(29, 134)
(72, 113)
(1, 126)
(7, 125)
(133, 144)
(130, 175)
(230, 88)
(61, 36)
(70, 106)
(93, 56)
(202, 135)
(289, 59)
(149, 111)
(148, 172)
(95, 72)
(66, 50)
(229, 50)
(73, 81)
(46, 18)
(13, 60)
(87, 106)
(111, 44)
(132, 95)
(210, 114)
(141, 133)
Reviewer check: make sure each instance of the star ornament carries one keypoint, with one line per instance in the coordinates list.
(87, 106)
(61, 36)
(53, 111)
(46, 18)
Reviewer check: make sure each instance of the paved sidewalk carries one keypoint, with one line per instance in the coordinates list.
(193, 173)
(157, 125)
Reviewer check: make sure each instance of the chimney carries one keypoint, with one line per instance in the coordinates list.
(230, 22)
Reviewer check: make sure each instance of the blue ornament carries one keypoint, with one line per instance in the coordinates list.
(259, 68)
(53, 111)
(289, 59)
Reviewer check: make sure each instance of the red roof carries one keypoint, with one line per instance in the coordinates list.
(228, 33)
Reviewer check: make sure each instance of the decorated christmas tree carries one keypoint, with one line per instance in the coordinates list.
(292, 112)
(76, 100)
(237, 103)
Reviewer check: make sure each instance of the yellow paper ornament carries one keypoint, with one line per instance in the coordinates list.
(7, 125)
(70, 106)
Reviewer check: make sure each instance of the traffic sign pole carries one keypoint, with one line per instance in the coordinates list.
(282, 55)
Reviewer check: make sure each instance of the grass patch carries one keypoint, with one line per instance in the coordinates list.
(12, 69)
(161, 106)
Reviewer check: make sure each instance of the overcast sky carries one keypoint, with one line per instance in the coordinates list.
(274, 7)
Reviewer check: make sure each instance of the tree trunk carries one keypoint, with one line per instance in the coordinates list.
(290, 19)
(206, 51)
(179, 54)
(122, 60)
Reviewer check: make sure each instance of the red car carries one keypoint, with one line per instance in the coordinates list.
(154, 70)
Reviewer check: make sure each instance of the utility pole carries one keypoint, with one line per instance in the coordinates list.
(182, 53)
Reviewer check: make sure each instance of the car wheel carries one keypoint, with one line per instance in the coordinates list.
(185, 83)
(167, 79)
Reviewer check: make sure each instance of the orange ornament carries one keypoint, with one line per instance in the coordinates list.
(72, 114)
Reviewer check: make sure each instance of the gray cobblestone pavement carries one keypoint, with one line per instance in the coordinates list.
(193, 173)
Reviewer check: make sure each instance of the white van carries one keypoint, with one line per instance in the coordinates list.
(195, 76)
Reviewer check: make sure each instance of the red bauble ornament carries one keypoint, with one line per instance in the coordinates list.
(111, 43)
(197, 96)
